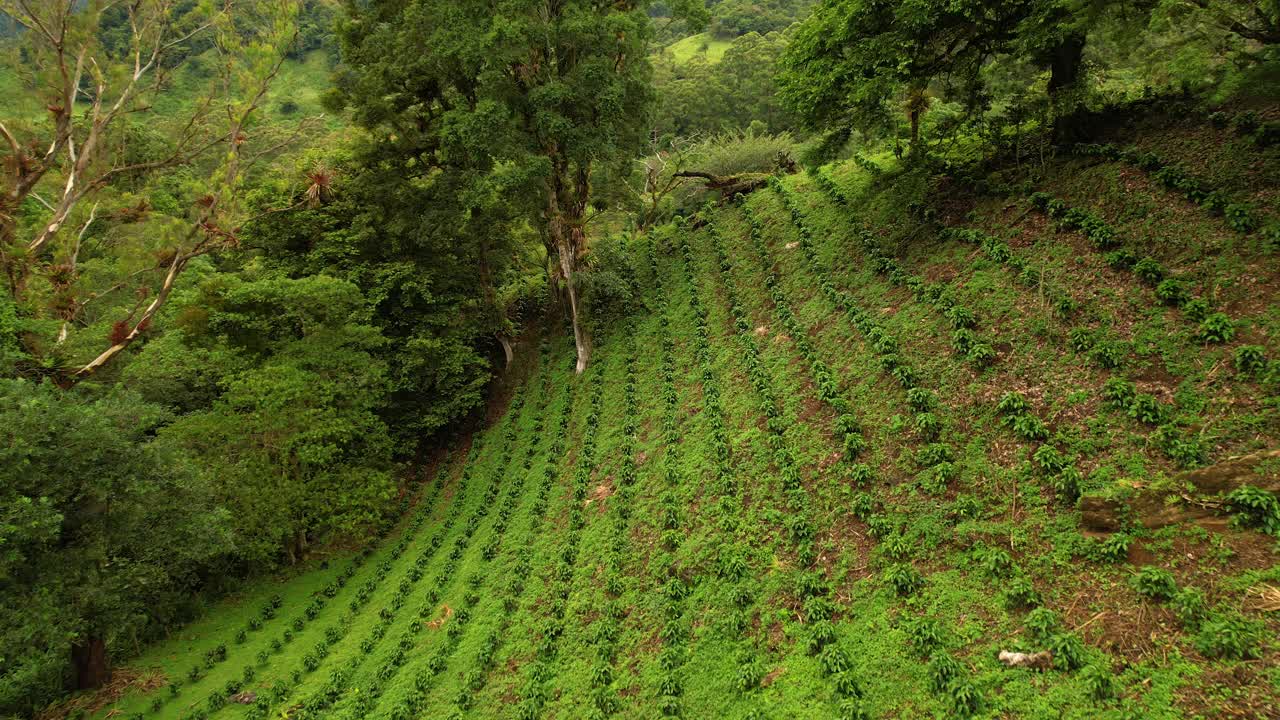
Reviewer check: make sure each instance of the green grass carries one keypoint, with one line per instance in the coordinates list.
(706, 45)
(636, 572)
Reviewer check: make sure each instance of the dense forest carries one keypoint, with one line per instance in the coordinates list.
(682, 358)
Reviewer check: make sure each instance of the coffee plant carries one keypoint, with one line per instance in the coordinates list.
(1250, 359)
(1255, 508)
(799, 526)
(1217, 328)
(1239, 216)
(543, 668)
(1154, 583)
(1230, 635)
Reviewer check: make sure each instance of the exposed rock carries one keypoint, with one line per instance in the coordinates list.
(245, 698)
(1100, 514)
(1150, 508)
(1234, 472)
(1042, 660)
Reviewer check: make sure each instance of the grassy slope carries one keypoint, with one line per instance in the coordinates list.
(953, 532)
(685, 49)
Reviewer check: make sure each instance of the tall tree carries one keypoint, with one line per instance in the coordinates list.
(516, 98)
(102, 531)
(852, 57)
(99, 66)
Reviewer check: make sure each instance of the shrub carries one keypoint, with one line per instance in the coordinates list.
(750, 673)
(860, 474)
(934, 454)
(1196, 309)
(1250, 359)
(1020, 593)
(834, 661)
(1114, 548)
(1050, 459)
(1119, 392)
(905, 578)
(942, 670)
(1080, 339)
(1108, 355)
(1029, 427)
(1246, 122)
(851, 708)
(1241, 218)
(1041, 623)
(921, 400)
(1145, 408)
(1066, 483)
(1013, 404)
(1255, 508)
(1172, 292)
(1120, 259)
(925, 635)
(960, 317)
(981, 354)
(963, 339)
(1149, 271)
(995, 562)
(1230, 636)
(1154, 583)
(928, 426)
(1186, 450)
(1098, 680)
(1190, 606)
(1217, 328)
(1068, 651)
(964, 697)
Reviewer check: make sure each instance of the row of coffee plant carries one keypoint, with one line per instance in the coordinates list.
(672, 656)
(935, 456)
(948, 676)
(1240, 216)
(1219, 631)
(1180, 446)
(1214, 327)
(1058, 467)
(455, 626)
(340, 680)
(607, 625)
(847, 426)
(813, 588)
(965, 340)
(1249, 124)
(734, 567)
(218, 698)
(560, 581)
(483, 663)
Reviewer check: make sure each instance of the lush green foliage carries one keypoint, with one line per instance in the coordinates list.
(105, 531)
(840, 431)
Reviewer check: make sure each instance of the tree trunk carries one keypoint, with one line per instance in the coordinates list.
(1064, 64)
(915, 130)
(566, 268)
(567, 198)
(89, 656)
(507, 349)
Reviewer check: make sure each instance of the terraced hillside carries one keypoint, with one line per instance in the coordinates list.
(821, 478)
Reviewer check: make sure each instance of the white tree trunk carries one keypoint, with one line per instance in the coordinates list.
(566, 268)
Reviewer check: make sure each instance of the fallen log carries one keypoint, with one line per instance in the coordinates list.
(729, 186)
